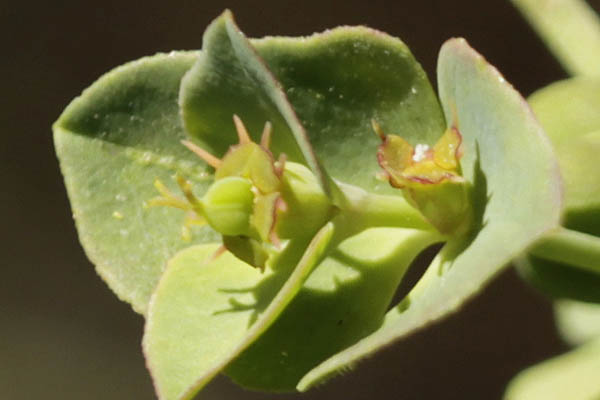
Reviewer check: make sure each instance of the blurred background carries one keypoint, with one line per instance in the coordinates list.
(64, 335)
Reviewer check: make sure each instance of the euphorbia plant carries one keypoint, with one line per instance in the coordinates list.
(292, 248)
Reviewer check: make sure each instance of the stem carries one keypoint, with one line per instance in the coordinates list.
(570, 28)
(364, 210)
(572, 248)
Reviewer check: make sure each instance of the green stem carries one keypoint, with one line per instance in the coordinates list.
(570, 28)
(572, 248)
(364, 210)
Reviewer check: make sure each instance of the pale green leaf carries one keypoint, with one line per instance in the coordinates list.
(207, 310)
(113, 141)
(200, 310)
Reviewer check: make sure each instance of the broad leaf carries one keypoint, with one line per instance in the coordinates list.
(340, 80)
(572, 376)
(207, 310)
(204, 299)
(113, 142)
(516, 193)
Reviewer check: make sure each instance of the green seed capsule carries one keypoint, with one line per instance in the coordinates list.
(227, 206)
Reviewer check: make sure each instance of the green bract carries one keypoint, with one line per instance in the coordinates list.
(343, 240)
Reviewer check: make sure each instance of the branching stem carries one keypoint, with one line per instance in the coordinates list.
(572, 248)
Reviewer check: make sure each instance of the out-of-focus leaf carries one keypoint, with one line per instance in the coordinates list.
(577, 322)
(559, 280)
(572, 376)
(570, 28)
(569, 111)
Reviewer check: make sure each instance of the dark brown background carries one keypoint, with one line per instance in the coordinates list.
(64, 335)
